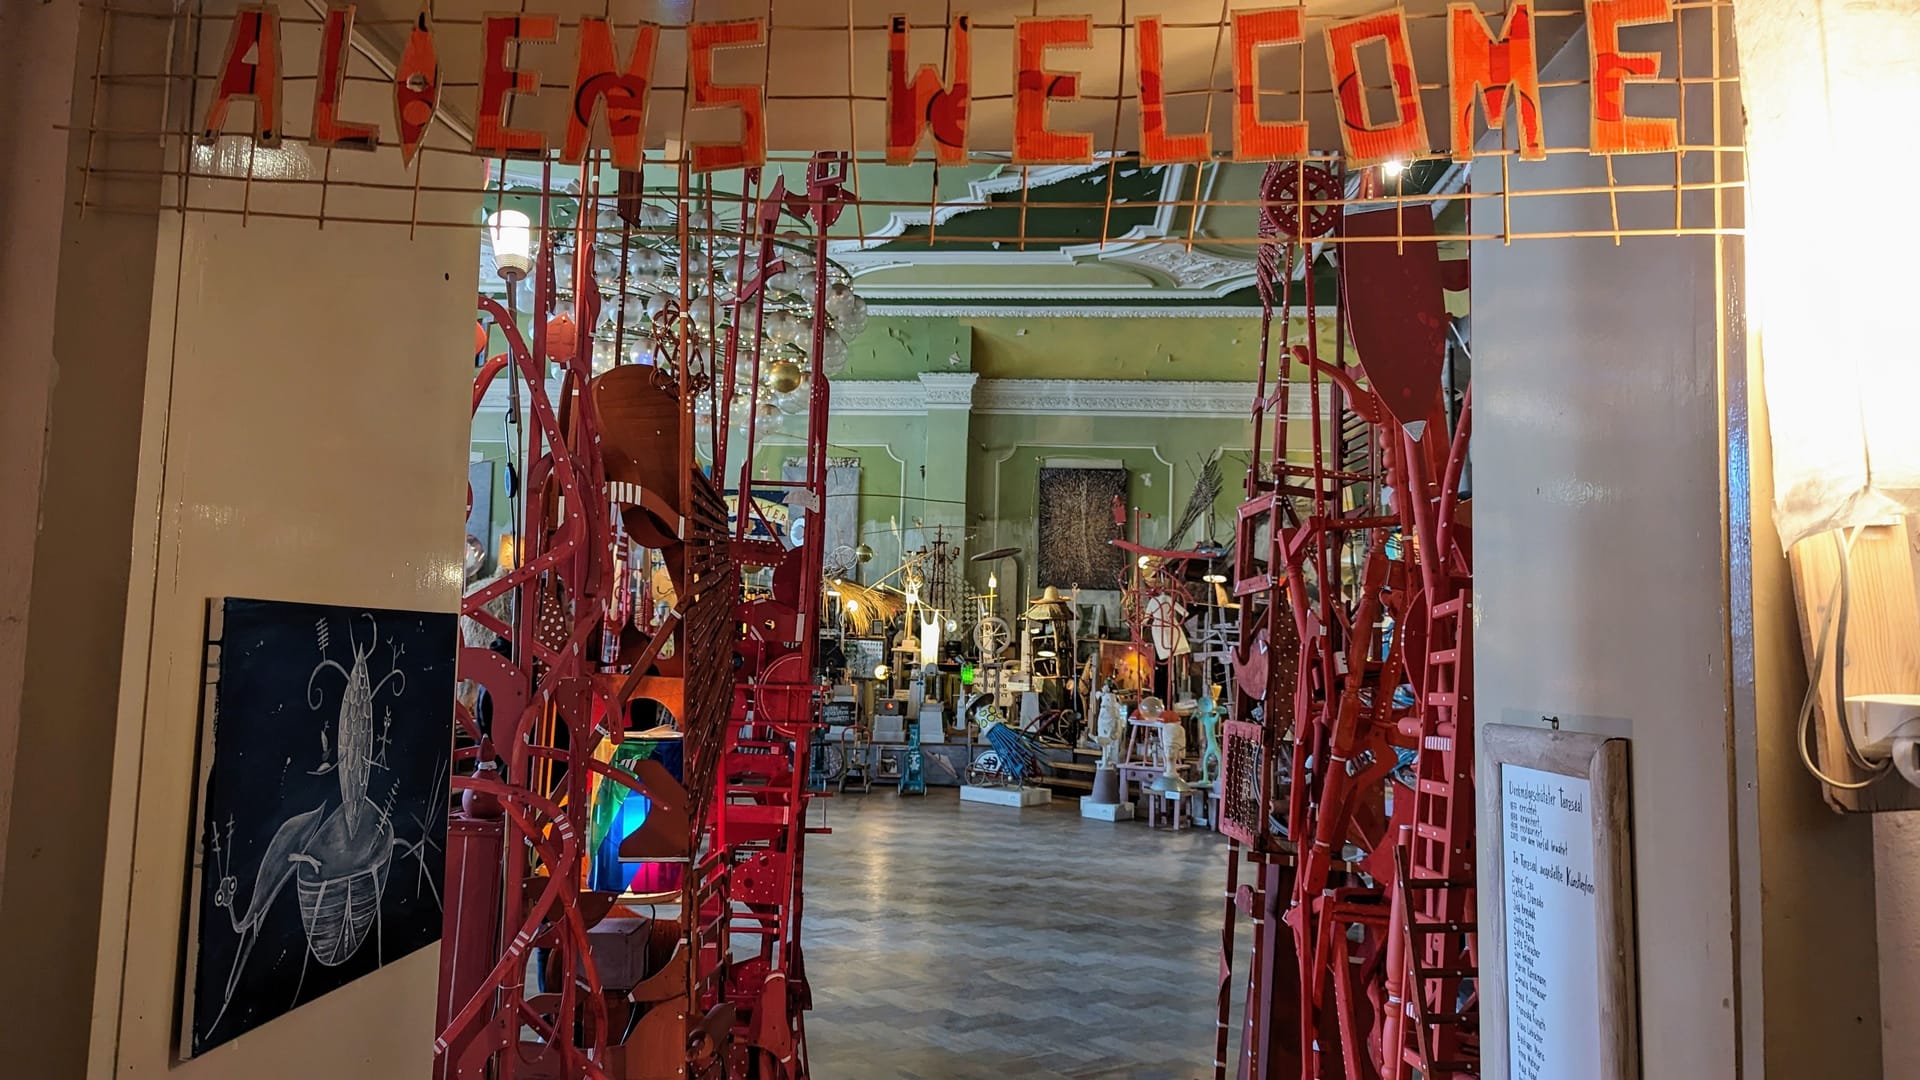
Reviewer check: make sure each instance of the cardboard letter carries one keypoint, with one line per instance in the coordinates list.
(498, 80)
(255, 32)
(750, 150)
(1254, 139)
(1156, 146)
(1034, 143)
(416, 88)
(1614, 132)
(597, 80)
(924, 101)
(328, 128)
(1368, 143)
(1478, 63)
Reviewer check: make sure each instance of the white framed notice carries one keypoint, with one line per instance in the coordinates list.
(1558, 989)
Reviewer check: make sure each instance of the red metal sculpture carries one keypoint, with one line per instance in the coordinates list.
(542, 975)
(1353, 573)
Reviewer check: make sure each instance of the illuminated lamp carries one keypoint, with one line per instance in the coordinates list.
(1826, 82)
(512, 236)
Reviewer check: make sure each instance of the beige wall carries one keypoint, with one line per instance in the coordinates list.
(305, 439)
(1618, 592)
(1896, 844)
(74, 293)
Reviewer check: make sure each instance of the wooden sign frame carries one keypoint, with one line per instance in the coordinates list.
(1603, 763)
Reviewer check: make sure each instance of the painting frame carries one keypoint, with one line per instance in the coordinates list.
(344, 709)
(1074, 524)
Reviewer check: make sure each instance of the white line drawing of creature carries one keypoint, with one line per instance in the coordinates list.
(336, 856)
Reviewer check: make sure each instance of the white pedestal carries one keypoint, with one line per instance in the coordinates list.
(1115, 811)
(1006, 796)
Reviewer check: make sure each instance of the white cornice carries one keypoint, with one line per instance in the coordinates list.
(495, 399)
(1144, 309)
(1169, 271)
(878, 397)
(1052, 397)
(948, 390)
(966, 390)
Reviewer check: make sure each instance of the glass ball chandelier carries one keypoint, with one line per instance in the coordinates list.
(639, 267)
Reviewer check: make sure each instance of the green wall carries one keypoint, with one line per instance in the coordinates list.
(1006, 347)
(1005, 452)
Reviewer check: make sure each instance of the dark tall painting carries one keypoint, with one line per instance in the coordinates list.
(325, 746)
(1075, 522)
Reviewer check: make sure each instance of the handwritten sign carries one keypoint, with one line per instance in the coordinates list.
(1553, 989)
(1558, 994)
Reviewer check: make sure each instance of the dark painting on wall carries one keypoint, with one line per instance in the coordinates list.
(326, 739)
(1075, 523)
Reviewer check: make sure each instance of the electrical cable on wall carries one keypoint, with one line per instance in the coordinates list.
(1838, 599)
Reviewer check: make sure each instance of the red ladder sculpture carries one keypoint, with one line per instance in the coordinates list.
(542, 976)
(1353, 571)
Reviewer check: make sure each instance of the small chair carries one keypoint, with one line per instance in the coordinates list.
(1200, 805)
(1174, 802)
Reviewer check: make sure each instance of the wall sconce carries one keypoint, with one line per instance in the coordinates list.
(1831, 85)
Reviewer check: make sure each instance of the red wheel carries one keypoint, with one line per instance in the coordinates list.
(1289, 189)
(785, 694)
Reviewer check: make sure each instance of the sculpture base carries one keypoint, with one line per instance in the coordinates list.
(1106, 785)
(1006, 796)
(1099, 811)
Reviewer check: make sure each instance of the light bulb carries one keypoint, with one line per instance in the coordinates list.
(853, 605)
(1392, 169)
(606, 265)
(881, 671)
(1214, 579)
(833, 353)
(992, 582)
(1143, 562)
(512, 235)
(783, 376)
(952, 626)
(796, 402)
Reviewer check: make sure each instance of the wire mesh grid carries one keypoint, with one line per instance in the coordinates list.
(821, 75)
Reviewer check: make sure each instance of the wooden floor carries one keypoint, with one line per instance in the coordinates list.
(949, 941)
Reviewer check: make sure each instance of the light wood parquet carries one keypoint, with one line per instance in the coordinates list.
(953, 941)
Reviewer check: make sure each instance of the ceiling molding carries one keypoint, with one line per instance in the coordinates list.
(495, 399)
(981, 192)
(948, 390)
(967, 391)
(1053, 397)
(980, 310)
(1174, 271)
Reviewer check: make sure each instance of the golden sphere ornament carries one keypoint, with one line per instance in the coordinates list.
(783, 376)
